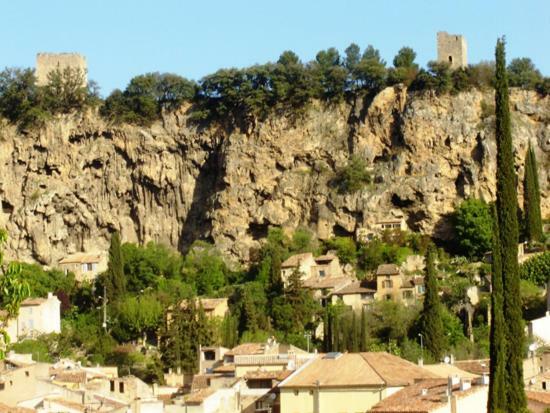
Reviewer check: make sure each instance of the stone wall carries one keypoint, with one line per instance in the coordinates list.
(451, 48)
(48, 62)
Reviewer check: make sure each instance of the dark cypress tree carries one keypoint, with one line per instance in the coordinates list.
(327, 333)
(116, 282)
(431, 321)
(336, 333)
(364, 333)
(508, 232)
(531, 197)
(497, 384)
(354, 333)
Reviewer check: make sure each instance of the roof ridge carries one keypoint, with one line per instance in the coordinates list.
(372, 367)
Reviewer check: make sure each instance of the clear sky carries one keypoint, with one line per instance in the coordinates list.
(124, 38)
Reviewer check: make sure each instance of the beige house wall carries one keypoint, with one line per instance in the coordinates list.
(240, 371)
(344, 400)
(355, 301)
(305, 268)
(219, 311)
(44, 318)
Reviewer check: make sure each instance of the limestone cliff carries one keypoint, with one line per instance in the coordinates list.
(66, 187)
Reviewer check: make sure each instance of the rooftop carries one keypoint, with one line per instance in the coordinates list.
(318, 283)
(33, 301)
(81, 258)
(197, 397)
(539, 397)
(9, 409)
(358, 287)
(387, 269)
(445, 370)
(411, 399)
(278, 375)
(295, 260)
(478, 367)
(357, 370)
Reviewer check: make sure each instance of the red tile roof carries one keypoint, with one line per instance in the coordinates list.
(387, 269)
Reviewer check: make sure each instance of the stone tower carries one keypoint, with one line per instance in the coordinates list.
(452, 49)
(48, 62)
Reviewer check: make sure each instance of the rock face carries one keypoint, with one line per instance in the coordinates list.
(68, 186)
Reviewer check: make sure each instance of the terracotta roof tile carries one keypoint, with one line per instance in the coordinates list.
(387, 269)
(411, 400)
(394, 370)
(9, 409)
(474, 366)
(539, 397)
(246, 349)
(358, 287)
(268, 375)
(197, 397)
(318, 283)
(294, 260)
(225, 368)
(81, 258)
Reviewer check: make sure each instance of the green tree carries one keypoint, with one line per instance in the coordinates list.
(345, 248)
(353, 177)
(371, 70)
(537, 269)
(405, 69)
(115, 278)
(363, 340)
(473, 226)
(531, 198)
(508, 234)
(66, 90)
(137, 317)
(330, 76)
(12, 293)
(204, 267)
(523, 73)
(431, 321)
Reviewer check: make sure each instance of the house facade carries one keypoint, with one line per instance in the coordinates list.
(38, 316)
(85, 266)
(392, 285)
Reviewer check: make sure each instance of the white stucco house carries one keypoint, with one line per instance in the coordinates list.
(36, 316)
(539, 329)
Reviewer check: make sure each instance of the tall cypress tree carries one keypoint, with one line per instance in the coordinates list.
(432, 323)
(116, 282)
(508, 235)
(531, 197)
(364, 333)
(497, 385)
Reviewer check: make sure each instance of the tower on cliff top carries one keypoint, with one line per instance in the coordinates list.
(48, 62)
(452, 49)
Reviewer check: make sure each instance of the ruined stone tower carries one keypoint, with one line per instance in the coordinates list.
(48, 62)
(452, 49)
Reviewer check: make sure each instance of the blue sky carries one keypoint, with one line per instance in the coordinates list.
(124, 38)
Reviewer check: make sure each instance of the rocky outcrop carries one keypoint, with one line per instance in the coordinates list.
(68, 186)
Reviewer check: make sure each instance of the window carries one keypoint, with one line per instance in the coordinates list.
(387, 297)
(365, 296)
(27, 374)
(450, 59)
(89, 266)
(543, 385)
(421, 289)
(210, 355)
(407, 294)
(2, 386)
(112, 385)
(121, 387)
(321, 273)
(387, 284)
(296, 392)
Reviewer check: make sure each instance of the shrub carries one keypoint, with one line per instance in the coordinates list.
(353, 177)
(473, 226)
(537, 269)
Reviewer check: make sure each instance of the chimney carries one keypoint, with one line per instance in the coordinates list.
(50, 295)
(465, 384)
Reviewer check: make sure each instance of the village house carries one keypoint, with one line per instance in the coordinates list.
(437, 396)
(36, 316)
(213, 307)
(211, 357)
(367, 234)
(358, 295)
(539, 329)
(323, 266)
(391, 284)
(347, 383)
(85, 266)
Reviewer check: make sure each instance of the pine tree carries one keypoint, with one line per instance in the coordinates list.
(531, 197)
(116, 281)
(431, 321)
(497, 385)
(508, 235)
(364, 332)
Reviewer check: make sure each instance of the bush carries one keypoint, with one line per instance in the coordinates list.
(353, 177)
(473, 225)
(537, 269)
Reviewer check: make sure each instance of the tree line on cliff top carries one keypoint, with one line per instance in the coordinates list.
(242, 96)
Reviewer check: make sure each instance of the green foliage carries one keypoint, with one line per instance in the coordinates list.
(537, 269)
(146, 96)
(150, 265)
(431, 320)
(353, 177)
(65, 90)
(531, 198)
(204, 268)
(137, 317)
(114, 278)
(512, 395)
(345, 248)
(473, 226)
(405, 69)
(523, 73)
(41, 281)
(377, 252)
(38, 348)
